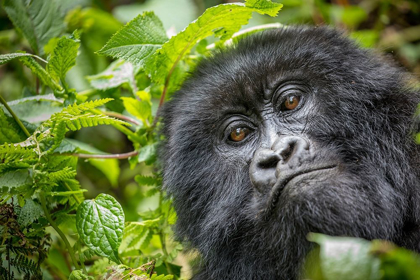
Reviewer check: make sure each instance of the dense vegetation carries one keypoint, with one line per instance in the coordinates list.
(75, 124)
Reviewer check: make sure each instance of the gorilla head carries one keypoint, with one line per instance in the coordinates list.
(291, 131)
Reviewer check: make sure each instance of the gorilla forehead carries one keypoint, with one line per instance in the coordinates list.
(249, 72)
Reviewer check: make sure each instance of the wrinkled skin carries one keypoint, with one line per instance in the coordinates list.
(292, 131)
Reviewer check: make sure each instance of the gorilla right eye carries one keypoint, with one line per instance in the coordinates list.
(290, 103)
(238, 134)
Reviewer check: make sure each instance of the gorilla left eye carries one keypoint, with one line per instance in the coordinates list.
(238, 134)
(290, 103)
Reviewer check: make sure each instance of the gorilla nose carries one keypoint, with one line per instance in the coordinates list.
(266, 164)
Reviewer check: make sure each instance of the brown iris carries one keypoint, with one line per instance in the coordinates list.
(238, 134)
(291, 103)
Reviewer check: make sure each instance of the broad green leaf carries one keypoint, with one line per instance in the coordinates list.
(346, 258)
(100, 224)
(222, 21)
(147, 154)
(37, 20)
(63, 57)
(10, 132)
(37, 69)
(137, 40)
(139, 108)
(30, 212)
(15, 182)
(4, 58)
(36, 109)
(119, 72)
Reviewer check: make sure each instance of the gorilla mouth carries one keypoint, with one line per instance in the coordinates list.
(284, 180)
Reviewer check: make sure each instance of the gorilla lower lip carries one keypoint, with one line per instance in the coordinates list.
(282, 182)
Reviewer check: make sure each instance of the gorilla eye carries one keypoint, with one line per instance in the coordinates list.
(238, 134)
(290, 103)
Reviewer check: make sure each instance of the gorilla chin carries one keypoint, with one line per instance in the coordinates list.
(290, 131)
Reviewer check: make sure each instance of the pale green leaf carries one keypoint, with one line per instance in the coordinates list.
(109, 167)
(4, 58)
(346, 258)
(37, 20)
(139, 108)
(30, 212)
(119, 72)
(137, 40)
(222, 21)
(63, 57)
(100, 224)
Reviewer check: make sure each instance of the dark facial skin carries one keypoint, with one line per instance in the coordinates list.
(292, 131)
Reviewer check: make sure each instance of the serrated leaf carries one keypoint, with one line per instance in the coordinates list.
(30, 212)
(139, 108)
(4, 58)
(147, 180)
(137, 40)
(136, 236)
(119, 72)
(63, 57)
(37, 20)
(40, 72)
(222, 21)
(264, 6)
(346, 258)
(100, 224)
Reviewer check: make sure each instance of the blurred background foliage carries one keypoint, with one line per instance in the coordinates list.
(390, 26)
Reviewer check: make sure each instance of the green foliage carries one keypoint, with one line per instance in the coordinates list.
(67, 93)
(357, 259)
(100, 223)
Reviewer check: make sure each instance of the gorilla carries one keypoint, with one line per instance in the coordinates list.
(290, 131)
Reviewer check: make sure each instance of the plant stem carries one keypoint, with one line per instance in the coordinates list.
(2, 101)
(116, 156)
(58, 230)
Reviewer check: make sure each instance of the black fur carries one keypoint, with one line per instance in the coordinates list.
(356, 115)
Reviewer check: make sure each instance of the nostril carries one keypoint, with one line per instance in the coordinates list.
(270, 162)
(287, 152)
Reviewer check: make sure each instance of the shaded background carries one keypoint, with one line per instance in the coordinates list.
(392, 27)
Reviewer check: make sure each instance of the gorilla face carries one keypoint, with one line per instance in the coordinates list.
(291, 131)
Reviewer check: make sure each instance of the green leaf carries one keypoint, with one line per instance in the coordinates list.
(30, 212)
(15, 182)
(147, 154)
(137, 40)
(100, 224)
(109, 167)
(4, 58)
(147, 180)
(63, 57)
(136, 237)
(40, 72)
(10, 132)
(79, 275)
(346, 258)
(264, 6)
(141, 109)
(37, 20)
(222, 21)
(119, 72)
